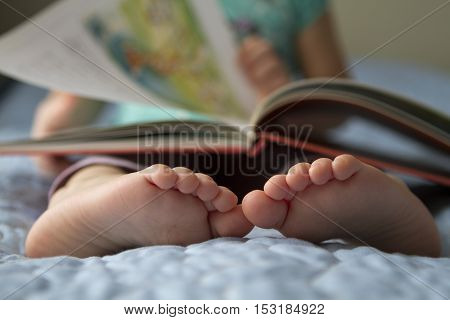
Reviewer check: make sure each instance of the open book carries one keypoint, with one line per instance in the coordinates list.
(298, 122)
(170, 53)
(127, 50)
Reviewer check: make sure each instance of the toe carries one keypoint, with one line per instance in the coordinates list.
(344, 166)
(225, 200)
(298, 176)
(209, 206)
(321, 171)
(207, 189)
(230, 224)
(187, 181)
(263, 211)
(277, 188)
(161, 175)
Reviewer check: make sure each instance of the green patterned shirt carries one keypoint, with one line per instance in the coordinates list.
(277, 21)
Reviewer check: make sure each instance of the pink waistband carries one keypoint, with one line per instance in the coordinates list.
(64, 176)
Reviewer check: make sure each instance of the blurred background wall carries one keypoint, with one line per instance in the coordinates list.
(363, 25)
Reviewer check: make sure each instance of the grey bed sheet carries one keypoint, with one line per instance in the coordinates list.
(263, 265)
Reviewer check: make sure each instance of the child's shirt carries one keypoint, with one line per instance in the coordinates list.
(277, 21)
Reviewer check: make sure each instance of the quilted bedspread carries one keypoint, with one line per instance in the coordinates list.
(264, 265)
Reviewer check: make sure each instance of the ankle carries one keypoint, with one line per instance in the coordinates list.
(87, 177)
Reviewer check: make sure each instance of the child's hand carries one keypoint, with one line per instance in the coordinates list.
(56, 112)
(261, 65)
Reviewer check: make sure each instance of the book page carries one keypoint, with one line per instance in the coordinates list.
(157, 52)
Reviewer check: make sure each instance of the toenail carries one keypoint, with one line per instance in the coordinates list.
(156, 168)
(183, 170)
(303, 168)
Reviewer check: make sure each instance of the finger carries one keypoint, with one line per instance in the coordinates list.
(273, 83)
(270, 68)
(254, 50)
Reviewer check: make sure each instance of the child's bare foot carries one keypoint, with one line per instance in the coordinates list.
(102, 210)
(342, 199)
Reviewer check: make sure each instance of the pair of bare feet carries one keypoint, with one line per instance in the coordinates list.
(103, 210)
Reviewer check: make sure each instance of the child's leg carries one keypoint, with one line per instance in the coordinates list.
(344, 198)
(102, 209)
(57, 112)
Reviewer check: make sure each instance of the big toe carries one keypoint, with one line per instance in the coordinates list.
(161, 175)
(263, 211)
(345, 166)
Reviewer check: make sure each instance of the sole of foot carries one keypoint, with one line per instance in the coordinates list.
(348, 199)
(106, 213)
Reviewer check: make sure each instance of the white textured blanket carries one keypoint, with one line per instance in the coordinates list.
(262, 266)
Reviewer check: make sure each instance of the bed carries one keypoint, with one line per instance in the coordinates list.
(263, 265)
